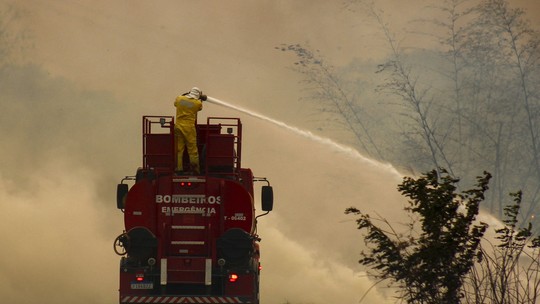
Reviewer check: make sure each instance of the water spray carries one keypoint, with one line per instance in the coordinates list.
(326, 141)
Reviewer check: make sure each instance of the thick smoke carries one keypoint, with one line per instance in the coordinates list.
(57, 213)
(307, 240)
(66, 148)
(54, 248)
(71, 127)
(57, 183)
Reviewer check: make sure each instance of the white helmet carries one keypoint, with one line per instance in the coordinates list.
(194, 93)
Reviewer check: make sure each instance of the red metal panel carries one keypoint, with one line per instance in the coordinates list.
(139, 209)
(220, 151)
(159, 151)
(238, 207)
(158, 142)
(186, 270)
(244, 285)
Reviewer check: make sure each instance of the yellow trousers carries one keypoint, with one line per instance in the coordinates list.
(186, 136)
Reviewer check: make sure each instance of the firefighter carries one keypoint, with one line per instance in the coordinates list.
(187, 107)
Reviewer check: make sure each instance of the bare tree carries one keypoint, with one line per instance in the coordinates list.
(484, 128)
(524, 46)
(419, 102)
(486, 108)
(472, 102)
(328, 88)
(507, 272)
(503, 52)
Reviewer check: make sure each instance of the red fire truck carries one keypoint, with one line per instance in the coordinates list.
(190, 238)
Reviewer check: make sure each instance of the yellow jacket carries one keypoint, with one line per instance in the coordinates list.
(186, 109)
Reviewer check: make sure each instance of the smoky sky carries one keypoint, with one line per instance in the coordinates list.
(58, 212)
(72, 103)
(145, 53)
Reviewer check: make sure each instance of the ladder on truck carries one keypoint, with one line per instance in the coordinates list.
(190, 252)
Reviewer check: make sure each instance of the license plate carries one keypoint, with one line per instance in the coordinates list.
(142, 285)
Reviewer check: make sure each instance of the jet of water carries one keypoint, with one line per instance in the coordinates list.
(325, 141)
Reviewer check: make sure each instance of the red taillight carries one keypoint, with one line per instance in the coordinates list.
(233, 277)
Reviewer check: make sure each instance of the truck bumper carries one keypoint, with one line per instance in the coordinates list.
(184, 299)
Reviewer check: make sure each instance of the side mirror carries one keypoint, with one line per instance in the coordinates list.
(121, 192)
(267, 198)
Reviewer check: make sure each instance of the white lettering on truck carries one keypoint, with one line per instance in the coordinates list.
(168, 211)
(187, 199)
(192, 204)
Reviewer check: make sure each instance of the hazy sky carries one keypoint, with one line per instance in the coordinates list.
(148, 51)
(105, 63)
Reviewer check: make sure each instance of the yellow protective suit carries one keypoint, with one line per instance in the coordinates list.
(186, 134)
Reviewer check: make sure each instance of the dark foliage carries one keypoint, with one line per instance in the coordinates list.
(429, 266)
